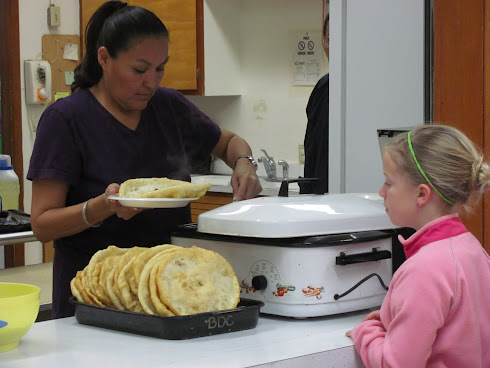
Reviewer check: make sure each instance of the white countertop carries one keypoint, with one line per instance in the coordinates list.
(276, 341)
(221, 184)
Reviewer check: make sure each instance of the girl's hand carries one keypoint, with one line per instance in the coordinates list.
(121, 211)
(374, 315)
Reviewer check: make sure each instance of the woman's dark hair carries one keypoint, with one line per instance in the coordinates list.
(114, 25)
(325, 24)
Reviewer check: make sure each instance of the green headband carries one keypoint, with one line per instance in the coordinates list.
(422, 170)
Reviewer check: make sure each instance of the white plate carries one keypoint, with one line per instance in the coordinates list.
(153, 202)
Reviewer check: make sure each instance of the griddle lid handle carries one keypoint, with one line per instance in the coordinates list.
(284, 190)
(376, 255)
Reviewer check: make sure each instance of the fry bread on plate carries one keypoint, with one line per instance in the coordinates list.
(161, 188)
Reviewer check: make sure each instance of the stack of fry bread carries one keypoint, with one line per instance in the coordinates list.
(165, 280)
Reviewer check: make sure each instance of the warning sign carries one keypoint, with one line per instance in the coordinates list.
(307, 56)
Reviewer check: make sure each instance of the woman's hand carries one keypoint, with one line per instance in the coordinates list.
(121, 211)
(244, 181)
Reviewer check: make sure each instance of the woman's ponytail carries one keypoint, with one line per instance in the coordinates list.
(89, 72)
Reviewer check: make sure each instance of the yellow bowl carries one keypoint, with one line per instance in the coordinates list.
(19, 306)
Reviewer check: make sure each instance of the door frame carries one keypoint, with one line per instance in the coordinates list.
(12, 108)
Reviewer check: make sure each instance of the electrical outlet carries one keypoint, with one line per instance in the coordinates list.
(54, 16)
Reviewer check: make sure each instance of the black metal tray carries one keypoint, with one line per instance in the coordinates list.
(13, 221)
(245, 316)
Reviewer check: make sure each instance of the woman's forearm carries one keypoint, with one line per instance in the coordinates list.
(57, 223)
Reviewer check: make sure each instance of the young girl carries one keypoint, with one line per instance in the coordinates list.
(437, 310)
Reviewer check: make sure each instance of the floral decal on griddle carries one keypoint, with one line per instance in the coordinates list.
(282, 289)
(244, 286)
(312, 291)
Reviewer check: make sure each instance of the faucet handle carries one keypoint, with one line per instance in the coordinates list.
(266, 154)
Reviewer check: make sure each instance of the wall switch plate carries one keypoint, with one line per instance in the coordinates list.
(301, 153)
(54, 16)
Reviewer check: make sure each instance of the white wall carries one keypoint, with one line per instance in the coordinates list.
(32, 26)
(279, 125)
(378, 73)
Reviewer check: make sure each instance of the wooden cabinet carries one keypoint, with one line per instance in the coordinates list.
(208, 202)
(180, 18)
(204, 50)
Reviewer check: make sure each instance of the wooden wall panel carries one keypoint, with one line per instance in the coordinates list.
(486, 121)
(459, 77)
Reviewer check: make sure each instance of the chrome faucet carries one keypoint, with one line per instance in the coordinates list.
(285, 168)
(269, 165)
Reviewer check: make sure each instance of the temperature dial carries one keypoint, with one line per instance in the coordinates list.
(264, 275)
(259, 282)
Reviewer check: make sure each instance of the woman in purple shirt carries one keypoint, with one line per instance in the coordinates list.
(119, 124)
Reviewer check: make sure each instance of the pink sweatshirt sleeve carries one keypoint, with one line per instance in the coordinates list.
(413, 311)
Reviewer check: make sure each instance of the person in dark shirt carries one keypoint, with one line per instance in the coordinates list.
(316, 137)
(119, 124)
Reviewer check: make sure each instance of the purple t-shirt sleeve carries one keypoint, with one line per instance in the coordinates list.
(55, 154)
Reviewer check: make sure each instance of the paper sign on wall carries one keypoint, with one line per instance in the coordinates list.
(307, 52)
(70, 52)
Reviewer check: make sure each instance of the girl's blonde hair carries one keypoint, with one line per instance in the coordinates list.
(453, 163)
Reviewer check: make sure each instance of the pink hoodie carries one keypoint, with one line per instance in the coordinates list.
(437, 310)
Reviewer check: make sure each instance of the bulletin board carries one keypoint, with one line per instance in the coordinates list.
(63, 54)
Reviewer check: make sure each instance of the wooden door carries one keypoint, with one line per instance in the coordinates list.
(462, 82)
(183, 19)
